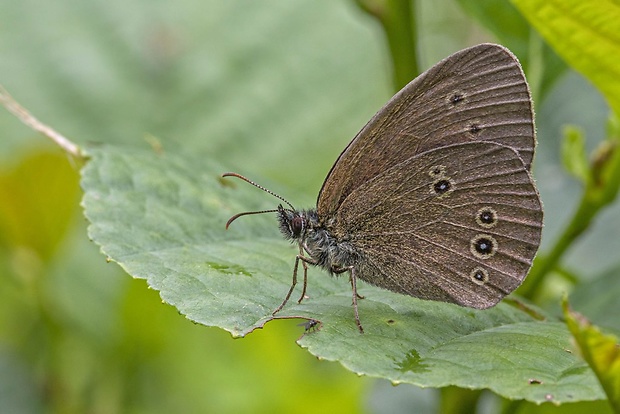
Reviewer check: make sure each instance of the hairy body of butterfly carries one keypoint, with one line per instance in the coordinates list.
(324, 250)
(316, 239)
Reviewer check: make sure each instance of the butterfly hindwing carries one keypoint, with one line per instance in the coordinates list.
(458, 224)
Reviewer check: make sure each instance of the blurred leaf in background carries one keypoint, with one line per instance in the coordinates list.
(226, 78)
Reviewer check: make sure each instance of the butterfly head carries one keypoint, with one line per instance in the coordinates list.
(293, 223)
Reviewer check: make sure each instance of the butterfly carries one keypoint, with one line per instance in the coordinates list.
(434, 197)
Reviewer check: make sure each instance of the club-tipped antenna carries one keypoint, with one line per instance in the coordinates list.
(236, 216)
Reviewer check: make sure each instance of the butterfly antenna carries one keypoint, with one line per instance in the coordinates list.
(247, 213)
(236, 216)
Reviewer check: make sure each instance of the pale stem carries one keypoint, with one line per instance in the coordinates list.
(27, 118)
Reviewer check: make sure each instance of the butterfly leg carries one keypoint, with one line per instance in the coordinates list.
(290, 291)
(304, 260)
(353, 280)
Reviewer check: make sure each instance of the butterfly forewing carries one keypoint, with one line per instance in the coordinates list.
(477, 94)
(459, 224)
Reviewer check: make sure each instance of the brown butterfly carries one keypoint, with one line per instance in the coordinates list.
(433, 198)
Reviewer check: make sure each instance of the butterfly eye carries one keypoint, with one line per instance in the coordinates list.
(297, 225)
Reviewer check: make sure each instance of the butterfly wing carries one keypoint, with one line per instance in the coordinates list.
(477, 94)
(458, 224)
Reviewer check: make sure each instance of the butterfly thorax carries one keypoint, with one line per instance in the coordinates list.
(317, 239)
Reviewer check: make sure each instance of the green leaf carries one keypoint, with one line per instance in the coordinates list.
(574, 155)
(161, 217)
(586, 35)
(602, 352)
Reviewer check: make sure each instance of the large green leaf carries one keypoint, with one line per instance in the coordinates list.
(161, 217)
(586, 35)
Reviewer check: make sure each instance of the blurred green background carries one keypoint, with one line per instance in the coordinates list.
(273, 89)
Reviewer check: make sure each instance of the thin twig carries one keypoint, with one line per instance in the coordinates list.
(27, 118)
